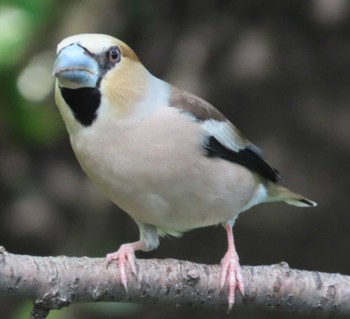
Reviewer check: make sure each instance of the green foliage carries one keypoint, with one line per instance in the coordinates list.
(27, 120)
(18, 22)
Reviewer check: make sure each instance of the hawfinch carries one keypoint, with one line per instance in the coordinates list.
(168, 158)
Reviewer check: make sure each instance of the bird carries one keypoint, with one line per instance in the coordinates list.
(168, 158)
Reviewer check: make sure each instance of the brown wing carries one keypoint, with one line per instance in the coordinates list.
(224, 140)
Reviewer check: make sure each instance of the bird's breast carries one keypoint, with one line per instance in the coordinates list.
(157, 173)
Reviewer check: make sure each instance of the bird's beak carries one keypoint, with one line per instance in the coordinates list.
(76, 68)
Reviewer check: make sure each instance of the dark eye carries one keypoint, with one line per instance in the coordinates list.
(114, 55)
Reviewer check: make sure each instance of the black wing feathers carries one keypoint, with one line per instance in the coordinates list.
(246, 157)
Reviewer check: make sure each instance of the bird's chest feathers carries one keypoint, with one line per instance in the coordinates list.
(121, 157)
(109, 158)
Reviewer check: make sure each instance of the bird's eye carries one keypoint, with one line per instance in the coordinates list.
(114, 55)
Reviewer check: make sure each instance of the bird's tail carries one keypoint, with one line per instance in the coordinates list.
(278, 193)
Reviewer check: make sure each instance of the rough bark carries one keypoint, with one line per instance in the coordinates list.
(56, 282)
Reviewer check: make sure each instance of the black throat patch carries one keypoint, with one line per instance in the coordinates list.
(83, 102)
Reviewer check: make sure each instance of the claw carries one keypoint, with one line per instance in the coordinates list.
(125, 256)
(231, 276)
(230, 273)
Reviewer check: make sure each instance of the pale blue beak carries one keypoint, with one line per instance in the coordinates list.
(76, 68)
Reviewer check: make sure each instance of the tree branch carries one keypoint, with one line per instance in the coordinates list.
(56, 282)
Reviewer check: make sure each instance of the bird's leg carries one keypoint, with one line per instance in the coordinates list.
(126, 253)
(230, 272)
(126, 256)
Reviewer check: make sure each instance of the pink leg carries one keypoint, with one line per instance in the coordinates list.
(230, 273)
(126, 256)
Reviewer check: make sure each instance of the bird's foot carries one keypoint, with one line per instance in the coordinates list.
(124, 256)
(231, 276)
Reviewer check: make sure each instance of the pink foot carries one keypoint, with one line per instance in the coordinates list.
(125, 256)
(230, 273)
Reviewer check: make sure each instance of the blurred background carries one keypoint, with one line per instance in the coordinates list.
(280, 70)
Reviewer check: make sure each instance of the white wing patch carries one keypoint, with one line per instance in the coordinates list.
(226, 134)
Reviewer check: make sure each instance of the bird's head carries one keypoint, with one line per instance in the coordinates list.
(96, 69)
